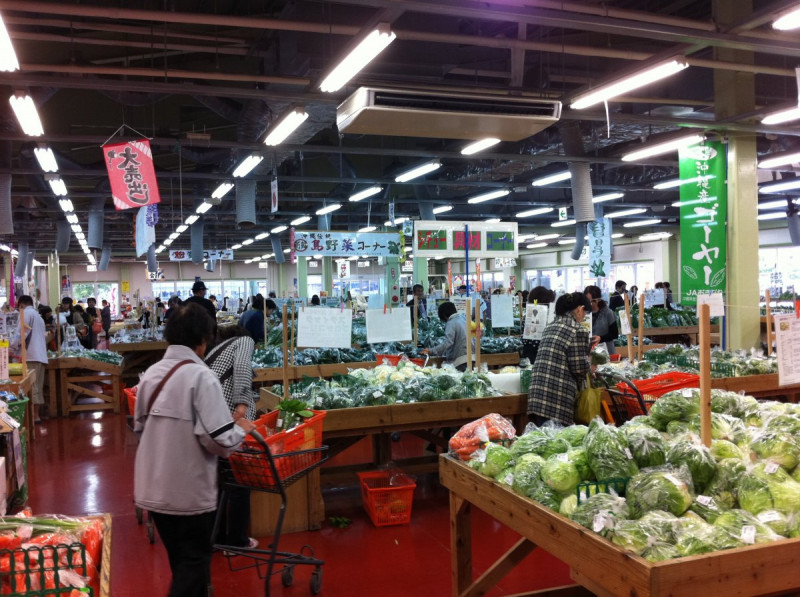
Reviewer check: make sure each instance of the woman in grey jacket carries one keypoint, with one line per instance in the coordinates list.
(185, 426)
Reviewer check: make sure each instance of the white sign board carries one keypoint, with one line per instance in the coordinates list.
(324, 328)
(715, 303)
(787, 341)
(625, 323)
(651, 298)
(343, 268)
(502, 310)
(375, 301)
(3, 359)
(460, 302)
(388, 326)
(536, 319)
(433, 238)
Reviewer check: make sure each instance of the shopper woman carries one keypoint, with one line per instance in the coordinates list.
(231, 361)
(185, 426)
(604, 321)
(453, 348)
(561, 363)
(539, 296)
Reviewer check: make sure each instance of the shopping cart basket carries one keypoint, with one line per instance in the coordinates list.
(255, 467)
(624, 397)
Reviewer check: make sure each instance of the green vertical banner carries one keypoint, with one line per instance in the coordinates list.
(704, 217)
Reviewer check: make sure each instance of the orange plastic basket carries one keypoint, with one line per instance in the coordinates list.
(394, 359)
(387, 504)
(655, 387)
(130, 395)
(305, 436)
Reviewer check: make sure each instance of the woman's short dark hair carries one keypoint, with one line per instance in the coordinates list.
(446, 309)
(567, 303)
(270, 304)
(315, 300)
(225, 332)
(541, 295)
(596, 294)
(189, 325)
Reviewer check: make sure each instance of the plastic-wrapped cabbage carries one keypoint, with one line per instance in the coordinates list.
(767, 486)
(526, 473)
(708, 507)
(601, 512)
(732, 403)
(662, 524)
(777, 521)
(580, 459)
(631, 535)
(722, 449)
(724, 487)
(646, 444)
(699, 460)
(506, 476)
(665, 488)
(660, 552)
(609, 454)
(574, 434)
(676, 428)
(545, 496)
(560, 475)
(777, 446)
(796, 473)
(675, 406)
(694, 536)
(746, 527)
(788, 423)
(497, 458)
(568, 505)
(540, 441)
(726, 427)
(641, 420)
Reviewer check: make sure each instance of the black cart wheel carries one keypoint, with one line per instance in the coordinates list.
(139, 515)
(151, 532)
(316, 581)
(287, 576)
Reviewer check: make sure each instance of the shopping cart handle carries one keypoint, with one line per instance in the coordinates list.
(257, 436)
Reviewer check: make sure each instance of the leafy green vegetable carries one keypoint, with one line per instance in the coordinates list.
(647, 445)
(609, 454)
(768, 487)
(543, 442)
(573, 435)
(545, 495)
(721, 449)
(694, 536)
(667, 489)
(580, 459)
(708, 508)
(601, 512)
(660, 552)
(526, 473)
(777, 521)
(497, 459)
(560, 475)
(724, 486)
(736, 523)
(568, 505)
(777, 446)
(699, 460)
(675, 406)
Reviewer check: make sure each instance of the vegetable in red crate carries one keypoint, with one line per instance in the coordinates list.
(474, 435)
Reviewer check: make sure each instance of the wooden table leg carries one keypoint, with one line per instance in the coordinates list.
(66, 401)
(460, 545)
(52, 392)
(116, 380)
(316, 505)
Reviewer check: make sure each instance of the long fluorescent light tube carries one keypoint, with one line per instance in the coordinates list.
(780, 160)
(279, 229)
(58, 186)
(300, 220)
(80, 235)
(28, 117)
(442, 209)
(192, 219)
(181, 229)
(656, 236)
(369, 192)
(396, 221)
(781, 116)
(168, 242)
(779, 187)
(203, 207)
(222, 190)
(607, 197)
(775, 215)
(788, 20)
(249, 241)
(477, 146)
(287, 250)
(661, 148)
(568, 241)
(262, 236)
(418, 171)
(540, 182)
(651, 74)
(368, 229)
(779, 204)
(76, 227)
(287, 125)
(174, 235)
(547, 236)
(536, 246)
(493, 220)
(247, 165)
(46, 159)
(365, 52)
(66, 205)
(626, 212)
(236, 247)
(488, 196)
(328, 209)
(72, 218)
(617, 235)
(638, 223)
(677, 182)
(160, 249)
(561, 224)
(8, 57)
(535, 212)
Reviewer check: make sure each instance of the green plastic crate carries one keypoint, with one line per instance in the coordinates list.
(16, 409)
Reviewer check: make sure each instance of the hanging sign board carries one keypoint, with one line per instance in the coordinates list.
(625, 323)
(460, 302)
(186, 255)
(324, 328)
(433, 238)
(3, 359)
(536, 319)
(502, 310)
(273, 195)
(131, 173)
(343, 269)
(346, 244)
(388, 326)
(787, 341)
(599, 246)
(715, 303)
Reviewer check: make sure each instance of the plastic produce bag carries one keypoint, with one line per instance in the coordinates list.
(609, 454)
(601, 512)
(699, 460)
(470, 437)
(646, 444)
(665, 488)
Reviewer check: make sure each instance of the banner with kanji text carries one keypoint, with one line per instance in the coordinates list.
(131, 173)
(345, 244)
(433, 238)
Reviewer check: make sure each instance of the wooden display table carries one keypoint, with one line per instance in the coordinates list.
(138, 356)
(597, 565)
(75, 371)
(758, 386)
(687, 330)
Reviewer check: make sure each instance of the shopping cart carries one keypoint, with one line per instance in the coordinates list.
(255, 467)
(622, 396)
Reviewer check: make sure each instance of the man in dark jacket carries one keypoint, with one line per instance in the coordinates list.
(199, 297)
(422, 308)
(617, 298)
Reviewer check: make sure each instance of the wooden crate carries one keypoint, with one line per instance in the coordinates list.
(599, 565)
(760, 386)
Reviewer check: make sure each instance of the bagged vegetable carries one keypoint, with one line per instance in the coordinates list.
(767, 486)
(746, 527)
(722, 449)
(694, 536)
(580, 459)
(665, 488)
(472, 436)
(660, 552)
(675, 406)
(609, 454)
(724, 486)
(526, 473)
(495, 459)
(699, 460)
(646, 444)
(559, 474)
(777, 446)
(545, 495)
(573, 435)
(568, 505)
(601, 512)
(708, 507)
(777, 521)
(545, 442)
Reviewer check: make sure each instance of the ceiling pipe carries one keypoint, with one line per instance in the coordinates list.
(246, 203)
(6, 212)
(63, 236)
(280, 257)
(196, 233)
(94, 236)
(105, 257)
(152, 260)
(22, 260)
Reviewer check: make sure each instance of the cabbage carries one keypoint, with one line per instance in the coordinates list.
(721, 449)
(545, 495)
(694, 536)
(540, 441)
(708, 508)
(609, 454)
(777, 446)
(641, 420)
(506, 476)
(674, 406)
(796, 473)
(646, 444)
(777, 521)
(660, 551)
(733, 404)
(724, 486)
(761, 489)
(560, 475)
(699, 460)
(725, 427)
(568, 505)
(497, 459)
(573, 435)
(675, 428)
(661, 523)
(526, 473)
(580, 459)
(787, 423)
(601, 512)
(664, 489)
(631, 535)
(736, 522)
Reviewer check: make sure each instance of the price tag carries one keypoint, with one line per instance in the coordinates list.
(625, 324)
(771, 467)
(562, 457)
(628, 453)
(599, 522)
(769, 516)
(748, 534)
(687, 393)
(377, 394)
(509, 480)
(279, 423)
(704, 500)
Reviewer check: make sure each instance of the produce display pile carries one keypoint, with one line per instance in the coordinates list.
(386, 384)
(660, 317)
(105, 356)
(679, 498)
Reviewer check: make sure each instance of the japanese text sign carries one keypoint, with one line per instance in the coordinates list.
(704, 214)
(186, 255)
(346, 244)
(599, 245)
(131, 173)
(433, 238)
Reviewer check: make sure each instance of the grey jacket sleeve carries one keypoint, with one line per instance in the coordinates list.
(445, 347)
(214, 426)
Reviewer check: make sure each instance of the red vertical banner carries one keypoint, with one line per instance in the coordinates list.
(273, 207)
(131, 173)
(478, 281)
(450, 276)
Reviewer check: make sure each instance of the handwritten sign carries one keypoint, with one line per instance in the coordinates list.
(324, 328)
(787, 341)
(536, 319)
(375, 301)
(389, 326)
(625, 324)
(502, 311)
(715, 303)
(3, 359)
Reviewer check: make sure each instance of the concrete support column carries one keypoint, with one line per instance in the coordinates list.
(327, 275)
(302, 277)
(734, 94)
(421, 272)
(283, 275)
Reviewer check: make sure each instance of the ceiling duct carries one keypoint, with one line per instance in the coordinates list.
(581, 182)
(6, 215)
(94, 236)
(22, 260)
(29, 264)
(105, 257)
(196, 232)
(63, 236)
(152, 260)
(276, 248)
(246, 203)
(374, 111)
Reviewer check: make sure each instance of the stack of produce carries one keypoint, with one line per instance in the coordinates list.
(680, 498)
(104, 356)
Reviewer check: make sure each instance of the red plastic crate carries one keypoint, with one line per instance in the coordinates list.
(305, 436)
(130, 394)
(655, 387)
(394, 359)
(387, 504)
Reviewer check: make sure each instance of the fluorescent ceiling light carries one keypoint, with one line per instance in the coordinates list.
(46, 159)
(247, 165)
(181, 229)
(418, 171)
(397, 221)
(222, 190)
(160, 249)
(660, 148)
(80, 235)
(365, 52)
(28, 117)
(174, 235)
(778, 204)
(626, 212)
(368, 192)
(550, 179)
(203, 207)
(630, 82)
(249, 241)
(617, 235)
(442, 209)
(677, 182)
(638, 223)
(267, 255)
(535, 212)
(536, 245)
(248, 261)
(780, 160)
(72, 218)
(87, 251)
(779, 187)
(480, 145)
(236, 247)
(656, 236)
(547, 236)
(493, 220)
(8, 57)
(286, 126)
(781, 116)
(259, 258)
(561, 223)
(568, 241)
(192, 219)
(353, 258)
(168, 242)
(328, 209)
(788, 20)
(58, 186)
(775, 215)
(607, 197)
(488, 196)
(66, 205)
(289, 251)
(300, 220)
(261, 236)
(76, 227)
(316, 257)
(92, 258)
(368, 229)
(279, 229)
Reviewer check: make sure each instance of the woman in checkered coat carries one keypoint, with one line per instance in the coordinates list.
(562, 362)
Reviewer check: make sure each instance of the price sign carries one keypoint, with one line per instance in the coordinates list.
(502, 310)
(388, 326)
(324, 328)
(536, 319)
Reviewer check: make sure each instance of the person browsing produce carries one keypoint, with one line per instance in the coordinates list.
(453, 348)
(604, 321)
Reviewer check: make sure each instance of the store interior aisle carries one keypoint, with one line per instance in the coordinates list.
(84, 464)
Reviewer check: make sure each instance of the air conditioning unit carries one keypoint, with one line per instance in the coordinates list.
(373, 111)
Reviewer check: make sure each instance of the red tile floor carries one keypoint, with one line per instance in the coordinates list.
(84, 464)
